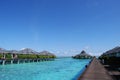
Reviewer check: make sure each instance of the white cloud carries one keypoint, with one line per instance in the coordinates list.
(71, 52)
(22, 48)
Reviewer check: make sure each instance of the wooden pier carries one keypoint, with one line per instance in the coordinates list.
(95, 71)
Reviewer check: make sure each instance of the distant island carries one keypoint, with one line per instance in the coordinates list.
(82, 55)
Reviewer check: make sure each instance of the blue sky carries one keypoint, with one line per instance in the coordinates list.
(64, 27)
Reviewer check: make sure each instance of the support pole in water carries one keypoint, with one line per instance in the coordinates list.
(11, 61)
(12, 56)
(3, 62)
(18, 62)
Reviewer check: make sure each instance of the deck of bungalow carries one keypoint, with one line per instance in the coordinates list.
(95, 71)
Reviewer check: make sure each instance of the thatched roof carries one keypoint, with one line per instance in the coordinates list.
(3, 50)
(46, 53)
(114, 50)
(27, 51)
(83, 53)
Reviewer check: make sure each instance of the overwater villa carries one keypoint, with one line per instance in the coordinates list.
(111, 61)
(111, 56)
(23, 56)
(82, 55)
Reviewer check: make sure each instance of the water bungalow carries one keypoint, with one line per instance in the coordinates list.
(111, 57)
(27, 56)
(111, 61)
(82, 55)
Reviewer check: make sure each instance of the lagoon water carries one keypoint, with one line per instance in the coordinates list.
(59, 69)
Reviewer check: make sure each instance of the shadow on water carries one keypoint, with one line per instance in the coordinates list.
(78, 74)
(81, 71)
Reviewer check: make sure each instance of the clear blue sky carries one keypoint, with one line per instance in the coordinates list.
(62, 26)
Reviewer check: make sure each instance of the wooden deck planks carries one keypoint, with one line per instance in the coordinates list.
(95, 71)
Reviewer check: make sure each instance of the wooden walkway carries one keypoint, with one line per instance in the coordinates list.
(95, 71)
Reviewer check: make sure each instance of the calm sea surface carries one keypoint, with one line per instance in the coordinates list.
(60, 69)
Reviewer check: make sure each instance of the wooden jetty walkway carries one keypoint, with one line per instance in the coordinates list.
(95, 71)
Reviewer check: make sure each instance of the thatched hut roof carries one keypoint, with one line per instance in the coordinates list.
(114, 50)
(83, 54)
(46, 53)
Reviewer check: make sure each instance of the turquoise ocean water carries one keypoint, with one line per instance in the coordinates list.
(60, 69)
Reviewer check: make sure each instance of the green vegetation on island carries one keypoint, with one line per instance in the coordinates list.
(34, 56)
(1, 56)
